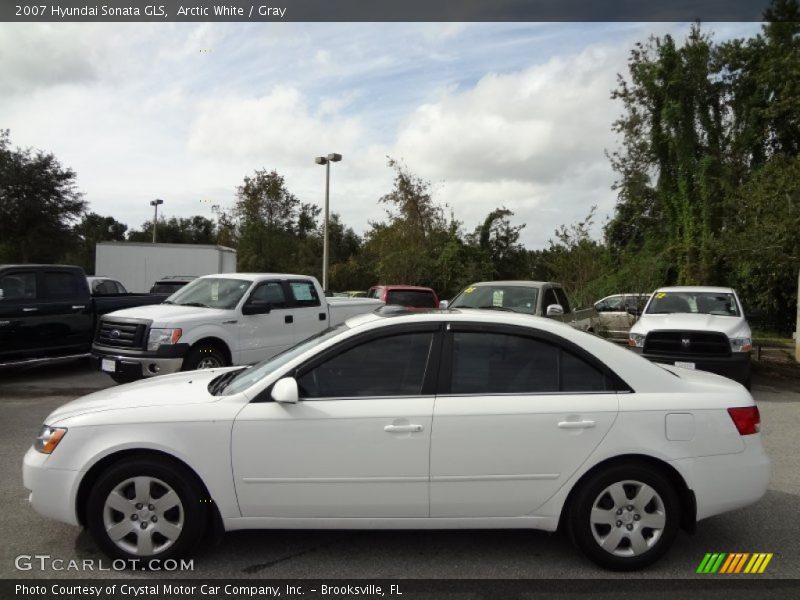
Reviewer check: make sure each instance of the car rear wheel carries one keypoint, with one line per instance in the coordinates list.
(143, 509)
(625, 517)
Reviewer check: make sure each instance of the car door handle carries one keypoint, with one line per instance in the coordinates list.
(78, 306)
(576, 424)
(29, 309)
(403, 428)
(288, 319)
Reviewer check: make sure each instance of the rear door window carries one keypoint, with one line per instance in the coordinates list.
(18, 287)
(304, 293)
(499, 363)
(61, 285)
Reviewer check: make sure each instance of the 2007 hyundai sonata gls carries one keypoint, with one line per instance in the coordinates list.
(453, 419)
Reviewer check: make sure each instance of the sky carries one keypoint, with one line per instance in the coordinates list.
(492, 114)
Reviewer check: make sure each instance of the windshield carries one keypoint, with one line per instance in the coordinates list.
(247, 377)
(703, 303)
(498, 297)
(211, 293)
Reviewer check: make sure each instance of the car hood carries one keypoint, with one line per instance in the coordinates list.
(165, 314)
(730, 326)
(166, 390)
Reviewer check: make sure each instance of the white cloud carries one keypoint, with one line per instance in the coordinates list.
(279, 127)
(531, 140)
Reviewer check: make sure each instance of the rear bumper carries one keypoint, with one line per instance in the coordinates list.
(736, 366)
(728, 481)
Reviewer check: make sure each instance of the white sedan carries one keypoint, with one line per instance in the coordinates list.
(449, 419)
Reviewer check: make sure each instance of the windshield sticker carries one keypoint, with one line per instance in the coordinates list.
(661, 295)
(469, 290)
(215, 291)
(497, 298)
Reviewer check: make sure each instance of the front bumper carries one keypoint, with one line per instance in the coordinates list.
(141, 363)
(736, 366)
(52, 491)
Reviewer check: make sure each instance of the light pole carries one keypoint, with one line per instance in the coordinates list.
(154, 204)
(326, 160)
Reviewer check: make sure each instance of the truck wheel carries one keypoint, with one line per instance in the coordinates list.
(625, 517)
(204, 356)
(142, 508)
(124, 377)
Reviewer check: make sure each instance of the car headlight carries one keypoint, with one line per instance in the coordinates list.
(636, 340)
(743, 344)
(49, 438)
(159, 337)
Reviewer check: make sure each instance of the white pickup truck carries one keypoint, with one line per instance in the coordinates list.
(695, 327)
(218, 320)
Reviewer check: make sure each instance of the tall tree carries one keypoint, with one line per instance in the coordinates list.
(39, 202)
(268, 215)
(93, 228)
(674, 141)
(406, 247)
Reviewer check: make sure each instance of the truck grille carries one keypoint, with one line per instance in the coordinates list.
(687, 343)
(121, 334)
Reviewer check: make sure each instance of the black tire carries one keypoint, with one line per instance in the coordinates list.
(200, 356)
(187, 520)
(122, 378)
(625, 555)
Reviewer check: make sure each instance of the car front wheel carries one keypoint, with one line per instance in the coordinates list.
(625, 517)
(204, 357)
(146, 509)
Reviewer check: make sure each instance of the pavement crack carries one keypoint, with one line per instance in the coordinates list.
(261, 566)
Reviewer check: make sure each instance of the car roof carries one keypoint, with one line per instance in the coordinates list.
(255, 276)
(697, 288)
(393, 287)
(514, 282)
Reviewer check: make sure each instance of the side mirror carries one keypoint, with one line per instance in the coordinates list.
(633, 311)
(256, 307)
(285, 390)
(555, 310)
(444, 304)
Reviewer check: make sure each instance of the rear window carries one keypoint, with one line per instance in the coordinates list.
(167, 288)
(62, 284)
(415, 298)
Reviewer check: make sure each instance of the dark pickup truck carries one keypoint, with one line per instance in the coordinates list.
(47, 312)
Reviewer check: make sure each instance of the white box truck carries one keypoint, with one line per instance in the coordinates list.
(138, 264)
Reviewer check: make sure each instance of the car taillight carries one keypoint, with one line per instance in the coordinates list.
(747, 419)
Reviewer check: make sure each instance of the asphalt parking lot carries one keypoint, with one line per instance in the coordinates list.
(772, 525)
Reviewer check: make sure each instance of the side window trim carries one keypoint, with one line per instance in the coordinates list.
(615, 384)
(431, 368)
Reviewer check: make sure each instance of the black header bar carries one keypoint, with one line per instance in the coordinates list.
(381, 10)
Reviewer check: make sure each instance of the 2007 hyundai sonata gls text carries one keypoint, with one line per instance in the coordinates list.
(451, 419)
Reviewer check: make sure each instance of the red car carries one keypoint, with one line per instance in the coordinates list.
(411, 296)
